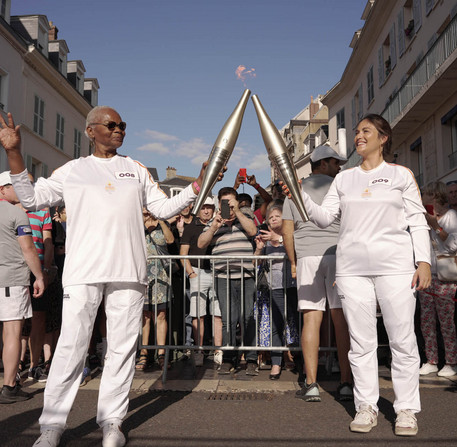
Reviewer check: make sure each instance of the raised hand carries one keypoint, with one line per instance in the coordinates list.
(10, 136)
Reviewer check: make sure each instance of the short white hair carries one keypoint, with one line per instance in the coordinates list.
(92, 114)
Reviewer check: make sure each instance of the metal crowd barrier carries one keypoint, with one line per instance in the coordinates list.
(179, 334)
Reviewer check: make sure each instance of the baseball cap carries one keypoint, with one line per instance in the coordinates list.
(209, 201)
(5, 178)
(321, 152)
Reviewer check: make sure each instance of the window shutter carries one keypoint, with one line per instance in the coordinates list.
(417, 15)
(393, 47)
(401, 33)
(380, 67)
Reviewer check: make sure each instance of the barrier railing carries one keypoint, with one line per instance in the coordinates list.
(176, 305)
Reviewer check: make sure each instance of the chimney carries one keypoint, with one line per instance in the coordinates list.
(171, 172)
(53, 30)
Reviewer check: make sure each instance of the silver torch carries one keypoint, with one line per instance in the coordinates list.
(278, 155)
(222, 150)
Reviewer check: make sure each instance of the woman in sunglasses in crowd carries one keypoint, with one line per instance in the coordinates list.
(383, 255)
(104, 195)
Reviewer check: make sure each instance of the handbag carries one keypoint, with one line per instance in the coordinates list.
(446, 267)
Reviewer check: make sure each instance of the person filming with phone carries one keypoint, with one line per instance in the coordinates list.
(230, 234)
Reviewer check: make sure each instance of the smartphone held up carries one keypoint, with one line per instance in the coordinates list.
(225, 209)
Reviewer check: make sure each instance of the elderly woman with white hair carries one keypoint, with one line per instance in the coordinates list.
(104, 195)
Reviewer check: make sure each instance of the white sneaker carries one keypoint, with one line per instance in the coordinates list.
(48, 438)
(199, 358)
(218, 357)
(427, 368)
(365, 419)
(112, 436)
(448, 371)
(406, 423)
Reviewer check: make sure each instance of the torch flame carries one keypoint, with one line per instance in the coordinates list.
(242, 73)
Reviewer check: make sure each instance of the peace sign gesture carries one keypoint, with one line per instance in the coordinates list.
(10, 137)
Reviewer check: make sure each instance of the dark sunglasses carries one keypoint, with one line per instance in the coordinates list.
(452, 182)
(112, 125)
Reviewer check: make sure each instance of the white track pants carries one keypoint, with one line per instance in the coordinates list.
(123, 306)
(397, 302)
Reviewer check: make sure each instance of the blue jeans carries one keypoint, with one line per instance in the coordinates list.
(237, 308)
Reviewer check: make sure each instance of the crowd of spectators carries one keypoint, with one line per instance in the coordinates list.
(238, 300)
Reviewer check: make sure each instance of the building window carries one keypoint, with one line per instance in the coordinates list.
(416, 161)
(453, 143)
(77, 144)
(3, 90)
(44, 170)
(3, 9)
(32, 165)
(38, 116)
(175, 191)
(340, 123)
(401, 34)
(370, 86)
(60, 131)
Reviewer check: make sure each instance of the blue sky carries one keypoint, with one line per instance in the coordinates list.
(169, 67)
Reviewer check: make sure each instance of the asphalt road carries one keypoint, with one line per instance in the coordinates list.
(199, 408)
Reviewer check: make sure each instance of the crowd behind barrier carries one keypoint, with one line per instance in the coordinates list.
(177, 327)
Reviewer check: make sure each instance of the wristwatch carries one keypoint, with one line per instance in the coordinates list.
(280, 240)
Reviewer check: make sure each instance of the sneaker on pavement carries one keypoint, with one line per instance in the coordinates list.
(406, 423)
(252, 369)
(448, 371)
(112, 436)
(9, 395)
(218, 357)
(38, 373)
(48, 438)
(199, 358)
(427, 368)
(344, 392)
(365, 419)
(225, 368)
(309, 393)
(86, 376)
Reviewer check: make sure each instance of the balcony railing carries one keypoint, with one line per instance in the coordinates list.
(427, 67)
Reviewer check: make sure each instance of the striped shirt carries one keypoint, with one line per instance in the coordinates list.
(232, 240)
(39, 221)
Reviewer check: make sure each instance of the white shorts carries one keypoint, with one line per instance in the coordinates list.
(17, 305)
(204, 282)
(316, 283)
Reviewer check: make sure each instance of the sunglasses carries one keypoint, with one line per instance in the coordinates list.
(452, 182)
(112, 125)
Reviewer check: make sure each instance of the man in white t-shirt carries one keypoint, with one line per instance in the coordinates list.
(104, 196)
(312, 254)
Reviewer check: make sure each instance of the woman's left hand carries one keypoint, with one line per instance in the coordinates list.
(422, 276)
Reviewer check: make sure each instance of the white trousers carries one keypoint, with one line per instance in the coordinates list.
(397, 301)
(123, 306)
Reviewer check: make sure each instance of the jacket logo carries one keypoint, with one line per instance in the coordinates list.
(380, 181)
(125, 175)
